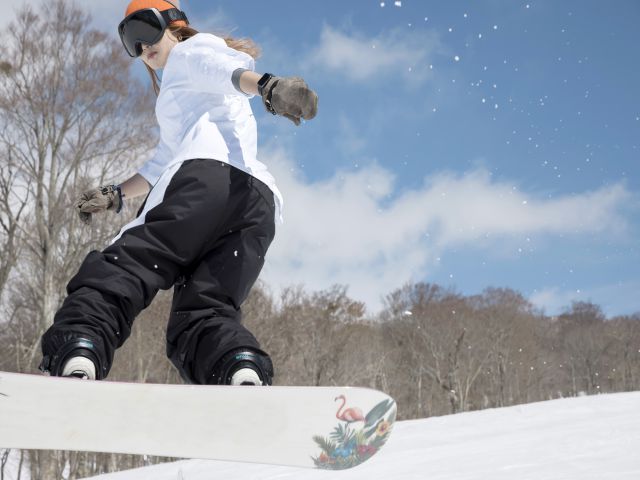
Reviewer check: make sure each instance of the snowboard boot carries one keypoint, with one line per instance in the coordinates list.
(243, 366)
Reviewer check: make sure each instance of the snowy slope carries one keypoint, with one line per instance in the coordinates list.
(587, 438)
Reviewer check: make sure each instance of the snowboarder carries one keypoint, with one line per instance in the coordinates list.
(208, 218)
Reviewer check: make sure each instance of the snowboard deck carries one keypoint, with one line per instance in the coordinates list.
(293, 426)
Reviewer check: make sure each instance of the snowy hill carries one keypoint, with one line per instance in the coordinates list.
(595, 438)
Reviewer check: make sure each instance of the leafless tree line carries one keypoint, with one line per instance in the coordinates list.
(439, 352)
(71, 117)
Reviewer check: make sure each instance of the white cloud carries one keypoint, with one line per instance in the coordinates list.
(617, 299)
(358, 229)
(363, 59)
(469, 207)
(553, 300)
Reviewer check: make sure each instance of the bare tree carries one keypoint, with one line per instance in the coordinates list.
(509, 322)
(585, 339)
(454, 353)
(624, 371)
(12, 207)
(70, 117)
(430, 327)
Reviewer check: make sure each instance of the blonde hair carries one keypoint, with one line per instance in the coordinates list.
(183, 33)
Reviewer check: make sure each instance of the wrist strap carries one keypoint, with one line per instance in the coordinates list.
(117, 190)
(263, 82)
(266, 96)
(235, 79)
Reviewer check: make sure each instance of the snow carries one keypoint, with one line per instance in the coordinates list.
(585, 438)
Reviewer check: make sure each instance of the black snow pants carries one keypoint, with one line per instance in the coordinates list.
(205, 228)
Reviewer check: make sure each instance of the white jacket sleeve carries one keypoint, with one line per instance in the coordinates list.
(210, 64)
(153, 168)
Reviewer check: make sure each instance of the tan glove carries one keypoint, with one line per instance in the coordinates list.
(101, 199)
(290, 97)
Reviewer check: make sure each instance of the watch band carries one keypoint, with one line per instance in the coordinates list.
(263, 82)
(115, 189)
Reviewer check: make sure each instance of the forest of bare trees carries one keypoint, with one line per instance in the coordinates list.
(72, 117)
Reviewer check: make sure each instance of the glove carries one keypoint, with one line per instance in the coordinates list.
(104, 198)
(290, 97)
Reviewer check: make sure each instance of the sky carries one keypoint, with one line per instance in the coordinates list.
(471, 144)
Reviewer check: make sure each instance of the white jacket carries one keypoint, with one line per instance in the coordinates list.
(202, 115)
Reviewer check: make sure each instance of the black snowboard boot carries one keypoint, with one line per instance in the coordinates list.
(243, 367)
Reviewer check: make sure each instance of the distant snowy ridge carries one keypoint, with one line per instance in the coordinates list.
(586, 438)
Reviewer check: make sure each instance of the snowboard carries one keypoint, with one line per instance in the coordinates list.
(316, 427)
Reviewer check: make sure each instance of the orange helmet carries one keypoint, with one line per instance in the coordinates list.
(160, 5)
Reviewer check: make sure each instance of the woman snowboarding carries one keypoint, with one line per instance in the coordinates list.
(206, 223)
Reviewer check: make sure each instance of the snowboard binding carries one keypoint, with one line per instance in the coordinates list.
(237, 366)
(79, 351)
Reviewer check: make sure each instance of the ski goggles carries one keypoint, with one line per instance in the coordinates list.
(146, 27)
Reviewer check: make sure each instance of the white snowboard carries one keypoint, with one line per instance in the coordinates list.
(296, 426)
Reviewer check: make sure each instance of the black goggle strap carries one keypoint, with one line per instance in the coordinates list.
(169, 16)
(174, 15)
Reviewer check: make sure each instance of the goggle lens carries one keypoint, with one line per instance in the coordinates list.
(143, 27)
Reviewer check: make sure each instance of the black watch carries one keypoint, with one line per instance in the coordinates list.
(107, 189)
(263, 82)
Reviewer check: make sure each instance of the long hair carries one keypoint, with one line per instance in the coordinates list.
(183, 33)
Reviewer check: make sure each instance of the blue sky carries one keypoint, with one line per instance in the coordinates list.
(468, 143)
